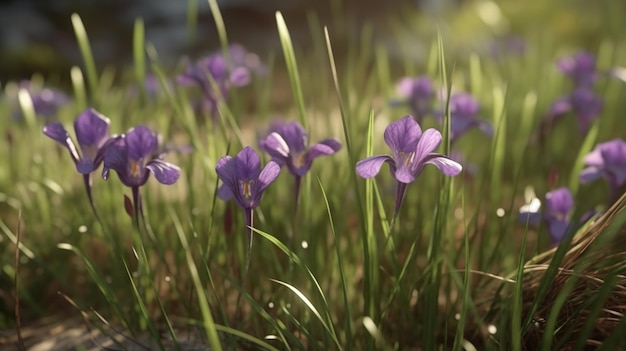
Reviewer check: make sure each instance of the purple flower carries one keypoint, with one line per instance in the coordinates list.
(46, 101)
(92, 133)
(135, 155)
(288, 146)
(287, 143)
(581, 68)
(582, 102)
(244, 181)
(607, 160)
(411, 152)
(559, 204)
(464, 115)
(418, 92)
(224, 74)
(507, 45)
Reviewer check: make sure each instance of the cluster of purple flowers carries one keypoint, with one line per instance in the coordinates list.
(46, 101)
(582, 101)
(133, 155)
(217, 73)
(419, 94)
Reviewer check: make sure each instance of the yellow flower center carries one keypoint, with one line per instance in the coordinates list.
(134, 169)
(299, 160)
(407, 157)
(246, 188)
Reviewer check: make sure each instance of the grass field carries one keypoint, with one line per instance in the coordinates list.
(235, 195)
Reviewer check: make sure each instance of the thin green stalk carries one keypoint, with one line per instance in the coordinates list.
(85, 50)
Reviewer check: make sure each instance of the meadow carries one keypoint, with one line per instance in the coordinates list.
(456, 186)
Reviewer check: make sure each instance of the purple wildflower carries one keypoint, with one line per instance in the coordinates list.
(92, 133)
(418, 92)
(581, 68)
(607, 160)
(287, 143)
(559, 204)
(411, 150)
(464, 115)
(582, 102)
(133, 156)
(216, 72)
(46, 101)
(244, 181)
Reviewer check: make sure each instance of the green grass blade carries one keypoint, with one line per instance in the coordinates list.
(139, 55)
(292, 66)
(209, 324)
(85, 50)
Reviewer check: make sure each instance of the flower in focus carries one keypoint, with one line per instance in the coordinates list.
(244, 181)
(464, 115)
(411, 151)
(606, 160)
(92, 133)
(582, 102)
(418, 92)
(558, 206)
(287, 143)
(133, 156)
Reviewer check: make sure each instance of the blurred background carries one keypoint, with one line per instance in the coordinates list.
(37, 36)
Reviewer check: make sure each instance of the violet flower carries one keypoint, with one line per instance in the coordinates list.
(607, 160)
(558, 206)
(92, 133)
(46, 101)
(244, 181)
(464, 110)
(411, 151)
(582, 102)
(287, 143)
(581, 68)
(215, 76)
(418, 93)
(133, 156)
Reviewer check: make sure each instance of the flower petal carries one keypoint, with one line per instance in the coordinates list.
(58, 133)
(224, 192)
(370, 166)
(240, 77)
(91, 128)
(324, 147)
(403, 135)
(164, 172)
(590, 174)
(446, 165)
(268, 175)
(276, 147)
(116, 158)
(295, 136)
(561, 106)
(141, 143)
(248, 164)
(428, 142)
(226, 170)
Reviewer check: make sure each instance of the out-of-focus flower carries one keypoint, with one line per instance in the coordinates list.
(46, 101)
(418, 93)
(411, 151)
(581, 68)
(464, 110)
(582, 102)
(511, 45)
(607, 160)
(558, 206)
